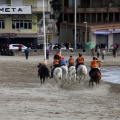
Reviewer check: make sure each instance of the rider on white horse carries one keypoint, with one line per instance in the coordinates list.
(71, 61)
(64, 67)
(63, 61)
(56, 64)
(80, 61)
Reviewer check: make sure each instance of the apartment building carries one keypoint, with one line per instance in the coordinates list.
(100, 18)
(21, 21)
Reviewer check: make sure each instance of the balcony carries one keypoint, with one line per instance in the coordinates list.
(92, 10)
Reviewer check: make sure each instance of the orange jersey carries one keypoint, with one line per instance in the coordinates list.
(71, 60)
(56, 62)
(94, 64)
(80, 60)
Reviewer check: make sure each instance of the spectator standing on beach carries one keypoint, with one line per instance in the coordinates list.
(98, 52)
(47, 54)
(103, 54)
(117, 45)
(26, 53)
(114, 52)
(20, 47)
(92, 52)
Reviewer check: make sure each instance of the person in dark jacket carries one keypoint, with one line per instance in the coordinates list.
(26, 53)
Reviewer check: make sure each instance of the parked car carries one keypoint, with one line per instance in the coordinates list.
(41, 46)
(16, 47)
(62, 47)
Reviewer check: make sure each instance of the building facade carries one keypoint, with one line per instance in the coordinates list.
(100, 18)
(21, 21)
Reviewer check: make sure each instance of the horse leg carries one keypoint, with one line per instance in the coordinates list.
(75, 78)
(90, 82)
(43, 80)
(70, 79)
(80, 77)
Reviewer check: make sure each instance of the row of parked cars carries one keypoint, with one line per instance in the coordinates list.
(54, 46)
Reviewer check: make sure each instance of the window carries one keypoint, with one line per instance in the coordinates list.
(21, 24)
(2, 24)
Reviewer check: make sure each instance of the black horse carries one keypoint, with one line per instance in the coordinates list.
(95, 76)
(43, 72)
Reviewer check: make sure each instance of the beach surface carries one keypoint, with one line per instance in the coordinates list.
(22, 97)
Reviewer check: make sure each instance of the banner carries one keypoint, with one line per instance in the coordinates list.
(15, 10)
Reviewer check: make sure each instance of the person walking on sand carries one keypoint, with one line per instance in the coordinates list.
(103, 54)
(92, 52)
(26, 53)
(47, 54)
(98, 52)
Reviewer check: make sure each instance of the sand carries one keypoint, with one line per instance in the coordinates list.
(22, 97)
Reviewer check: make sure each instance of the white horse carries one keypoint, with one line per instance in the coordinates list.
(57, 74)
(72, 73)
(64, 71)
(81, 72)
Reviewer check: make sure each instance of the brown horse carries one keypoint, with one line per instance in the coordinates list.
(95, 76)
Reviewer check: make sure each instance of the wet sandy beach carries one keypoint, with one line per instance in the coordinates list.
(23, 98)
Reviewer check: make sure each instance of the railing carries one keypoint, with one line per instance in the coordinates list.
(100, 9)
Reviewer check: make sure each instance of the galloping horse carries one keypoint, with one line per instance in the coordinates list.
(81, 72)
(72, 73)
(64, 71)
(43, 72)
(95, 76)
(57, 74)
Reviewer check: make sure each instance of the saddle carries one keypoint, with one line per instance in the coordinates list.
(63, 65)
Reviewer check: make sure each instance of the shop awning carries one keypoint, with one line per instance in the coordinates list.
(118, 31)
(102, 32)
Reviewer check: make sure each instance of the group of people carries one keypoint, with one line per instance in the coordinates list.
(60, 60)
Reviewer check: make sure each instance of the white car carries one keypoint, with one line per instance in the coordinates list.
(16, 47)
(62, 47)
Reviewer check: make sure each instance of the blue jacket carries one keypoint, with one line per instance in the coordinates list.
(63, 62)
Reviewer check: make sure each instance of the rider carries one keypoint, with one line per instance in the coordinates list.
(95, 64)
(80, 61)
(56, 64)
(57, 56)
(63, 61)
(71, 61)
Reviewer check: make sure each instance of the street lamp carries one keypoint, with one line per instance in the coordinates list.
(86, 31)
(44, 33)
(75, 26)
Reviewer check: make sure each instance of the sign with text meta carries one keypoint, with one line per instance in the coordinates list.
(15, 10)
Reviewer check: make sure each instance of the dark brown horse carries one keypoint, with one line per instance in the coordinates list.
(43, 72)
(95, 76)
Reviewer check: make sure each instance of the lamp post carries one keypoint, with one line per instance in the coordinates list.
(75, 26)
(86, 31)
(44, 33)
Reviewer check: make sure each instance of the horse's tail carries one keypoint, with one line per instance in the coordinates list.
(58, 71)
(84, 70)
